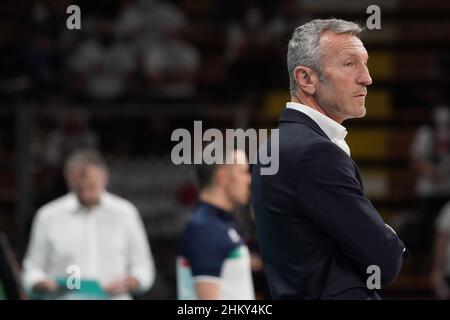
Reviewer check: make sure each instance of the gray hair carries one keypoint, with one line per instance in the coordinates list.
(303, 48)
(84, 158)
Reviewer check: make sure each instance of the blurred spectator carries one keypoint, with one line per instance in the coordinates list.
(430, 154)
(143, 26)
(145, 21)
(440, 275)
(249, 52)
(10, 288)
(53, 140)
(286, 19)
(102, 65)
(92, 229)
(170, 67)
(72, 134)
(214, 261)
(249, 37)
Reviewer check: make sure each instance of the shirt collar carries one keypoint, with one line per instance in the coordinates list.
(78, 207)
(332, 129)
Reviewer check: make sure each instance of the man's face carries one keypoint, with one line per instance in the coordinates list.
(88, 182)
(238, 179)
(342, 90)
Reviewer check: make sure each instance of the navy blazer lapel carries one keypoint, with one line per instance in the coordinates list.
(292, 115)
(358, 174)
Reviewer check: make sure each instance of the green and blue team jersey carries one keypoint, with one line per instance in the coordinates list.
(212, 250)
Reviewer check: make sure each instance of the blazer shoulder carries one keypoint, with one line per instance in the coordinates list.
(325, 151)
(300, 135)
(325, 161)
(326, 147)
(325, 156)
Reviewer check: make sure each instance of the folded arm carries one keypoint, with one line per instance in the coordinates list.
(328, 188)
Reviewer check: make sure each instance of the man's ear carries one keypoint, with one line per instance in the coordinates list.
(305, 78)
(220, 175)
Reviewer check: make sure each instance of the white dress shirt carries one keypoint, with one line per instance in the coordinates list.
(107, 243)
(335, 132)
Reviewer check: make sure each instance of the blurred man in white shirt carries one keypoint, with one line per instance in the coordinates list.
(100, 233)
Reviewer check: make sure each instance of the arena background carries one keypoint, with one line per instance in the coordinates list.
(137, 70)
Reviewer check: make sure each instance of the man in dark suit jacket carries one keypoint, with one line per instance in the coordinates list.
(319, 234)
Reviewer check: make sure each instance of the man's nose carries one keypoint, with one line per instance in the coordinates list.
(364, 78)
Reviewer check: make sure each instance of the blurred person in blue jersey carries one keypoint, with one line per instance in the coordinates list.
(214, 261)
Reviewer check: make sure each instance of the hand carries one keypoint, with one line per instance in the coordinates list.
(256, 262)
(122, 286)
(45, 286)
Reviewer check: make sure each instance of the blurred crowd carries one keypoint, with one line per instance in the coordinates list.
(146, 49)
(157, 53)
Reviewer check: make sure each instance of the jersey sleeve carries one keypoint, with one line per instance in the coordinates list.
(206, 248)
